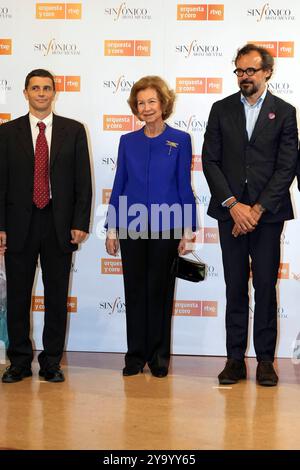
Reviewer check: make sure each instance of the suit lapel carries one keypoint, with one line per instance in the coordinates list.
(267, 110)
(25, 136)
(58, 135)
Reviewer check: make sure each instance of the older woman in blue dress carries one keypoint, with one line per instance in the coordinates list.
(152, 216)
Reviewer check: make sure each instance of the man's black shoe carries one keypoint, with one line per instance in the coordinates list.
(159, 371)
(233, 371)
(265, 374)
(15, 374)
(54, 374)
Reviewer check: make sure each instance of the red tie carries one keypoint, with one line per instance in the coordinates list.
(41, 191)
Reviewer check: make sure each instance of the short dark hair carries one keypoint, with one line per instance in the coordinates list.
(267, 60)
(165, 94)
(39, 73)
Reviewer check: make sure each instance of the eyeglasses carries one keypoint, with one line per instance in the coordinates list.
(250, 71)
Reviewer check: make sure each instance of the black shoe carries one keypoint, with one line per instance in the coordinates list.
(54, 374)
(233, 371)
(265, 374)
(159, 371)
(15, 374)
(132, 370)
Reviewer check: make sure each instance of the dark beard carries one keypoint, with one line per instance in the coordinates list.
(249, 90)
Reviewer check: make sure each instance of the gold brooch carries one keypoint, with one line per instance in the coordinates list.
(171, 145)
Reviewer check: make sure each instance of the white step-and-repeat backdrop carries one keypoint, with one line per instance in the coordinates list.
(97, 49)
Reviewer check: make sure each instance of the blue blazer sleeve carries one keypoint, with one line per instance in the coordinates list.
(118, 188)
(184, 184)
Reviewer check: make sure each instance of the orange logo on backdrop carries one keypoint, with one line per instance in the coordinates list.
(208, 235)
(137, 124)
(72, 83)
(38, 304)
(142, 48)
(198, 85)
(190, 85)
(284, 271)
(5, 46)
(209, 308)
(68, 83)
(127, 47)
(214, 85)
(59, 81)
(192, 12)
(58, 11)
(285, 49)
(277, 49)
(4, 117)
(195, 308)
(73, 11)
(196, 163)
(187, 12)
(111, 266)
(118, 48)
(106, 195)
(117, 122)
(215, 13)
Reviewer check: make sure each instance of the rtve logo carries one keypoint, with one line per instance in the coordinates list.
(67, 83)
(198, 85)
(4, 117)
(111, 266)
(208, 235)
(277, 48)
(121, 122)
(58, 11)
(5, 46)
(38, 304)
(195, 308)
(131, 47)
(203, 12)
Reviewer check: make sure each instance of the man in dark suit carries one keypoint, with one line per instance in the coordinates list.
(45, 202)
(249, 160)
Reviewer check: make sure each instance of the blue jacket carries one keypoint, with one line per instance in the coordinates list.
(151, 172)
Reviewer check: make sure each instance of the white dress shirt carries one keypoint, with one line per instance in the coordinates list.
(35, 129)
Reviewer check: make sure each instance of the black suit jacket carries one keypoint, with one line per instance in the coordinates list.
(268, 161)
(70, 179)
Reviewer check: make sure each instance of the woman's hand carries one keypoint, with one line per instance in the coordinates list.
(186, 243)
(112, 243)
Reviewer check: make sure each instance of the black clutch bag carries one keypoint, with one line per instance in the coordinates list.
(189, 270)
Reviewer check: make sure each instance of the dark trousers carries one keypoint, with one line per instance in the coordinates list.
(263, 247)
(149, 291)
(20, 271)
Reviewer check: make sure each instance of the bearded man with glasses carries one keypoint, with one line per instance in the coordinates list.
(249, 157)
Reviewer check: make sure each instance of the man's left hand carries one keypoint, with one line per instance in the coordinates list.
(78, 236)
